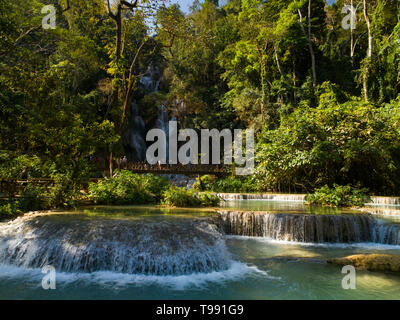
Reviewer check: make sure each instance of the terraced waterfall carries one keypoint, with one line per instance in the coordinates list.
(79, 244)
(310, 228)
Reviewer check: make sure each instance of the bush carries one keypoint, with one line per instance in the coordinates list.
(12, 165)
(208, 199)
(339, 196)
(226, 184)
(128, 188)
(9, 209)
(182, 197)
(65, 191)
(34, 198)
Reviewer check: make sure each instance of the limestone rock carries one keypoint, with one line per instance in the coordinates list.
(371, 262)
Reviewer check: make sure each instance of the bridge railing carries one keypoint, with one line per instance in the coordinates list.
(178, 168)
(10, 188)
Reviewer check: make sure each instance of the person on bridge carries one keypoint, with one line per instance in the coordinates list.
(25, 174)
(201, 185)
(125, 162)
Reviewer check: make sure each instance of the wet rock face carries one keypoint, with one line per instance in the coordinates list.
(310, 228)
(371, 262)
(73, 244)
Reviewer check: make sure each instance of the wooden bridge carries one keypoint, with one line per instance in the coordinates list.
(190, 169)
(9, 188)
(13, 187)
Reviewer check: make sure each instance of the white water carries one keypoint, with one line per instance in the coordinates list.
(74, 244)
(235, 272)
(385, 200)
(311, 228)
(268, 197)
(268, 269)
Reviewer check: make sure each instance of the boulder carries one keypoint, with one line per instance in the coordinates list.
(371, 262)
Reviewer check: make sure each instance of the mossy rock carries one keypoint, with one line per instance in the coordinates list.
(371, 262)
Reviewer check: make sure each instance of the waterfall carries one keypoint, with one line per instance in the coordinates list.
(385, 200)
(136, 133)
(81, 244)
(163, 124)
(310, 228)
(272, 197)
(386, 233)
(134, 136)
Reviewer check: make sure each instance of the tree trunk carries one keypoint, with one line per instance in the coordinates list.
(308, 37)
(294, 80)
(352, 47)
(369, 54)
(277, 60)
(111, 164)
(262, 88)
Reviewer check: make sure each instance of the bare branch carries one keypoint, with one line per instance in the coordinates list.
(110, 13)
(129, 5)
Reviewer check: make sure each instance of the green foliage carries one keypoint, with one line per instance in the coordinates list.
(349, 143)
(34, 198)
(9, 209)
(182, 197)
(339, 196)
(228, 184)
(128, 188)
(12, 165)
(244, 64)
(65, 192)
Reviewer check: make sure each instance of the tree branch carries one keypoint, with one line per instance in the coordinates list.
(110, 13)
(67, 8)
(129, 5)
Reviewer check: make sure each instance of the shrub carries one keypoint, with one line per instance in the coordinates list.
(65, 191)
(12, 164)
(234, 184)
(339, 196)
(208, 199)
(128, 188)
(182, 197)
(34, 198)
(9, 209)
(206, 182)
(225, 184)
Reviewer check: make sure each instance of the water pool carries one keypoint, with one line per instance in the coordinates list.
(241, 267)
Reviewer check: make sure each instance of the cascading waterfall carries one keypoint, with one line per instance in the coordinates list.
(310, 228)
(135, 134)
(78, 244)
(386, 233)
(385, 200)
(163, 124)
(273, 197)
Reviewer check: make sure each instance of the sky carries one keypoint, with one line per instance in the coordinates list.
(184, 4)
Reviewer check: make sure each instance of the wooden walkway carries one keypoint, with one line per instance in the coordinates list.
(13, 187)
(218, 170)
